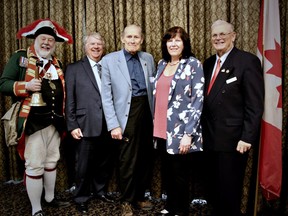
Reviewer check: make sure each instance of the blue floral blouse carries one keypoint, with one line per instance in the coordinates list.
(185, 102)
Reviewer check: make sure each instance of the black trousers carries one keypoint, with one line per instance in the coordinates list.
(94, 166)
(176, 172)
(225, 174)
(135, 155)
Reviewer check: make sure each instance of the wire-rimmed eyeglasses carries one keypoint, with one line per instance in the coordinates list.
(220, 35)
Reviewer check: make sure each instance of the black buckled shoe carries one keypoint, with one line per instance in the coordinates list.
(56, 203)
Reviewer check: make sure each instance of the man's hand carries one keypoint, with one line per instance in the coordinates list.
(243, 147)
(116, 133)
(33, 85)
(77, 133)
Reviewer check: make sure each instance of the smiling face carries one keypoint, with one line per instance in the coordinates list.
(44, 45)
(223, 38)
(132, 39)
(175, 47)
(94, 48)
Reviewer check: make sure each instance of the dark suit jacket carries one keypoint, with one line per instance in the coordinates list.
(83, 99)
(233, 109)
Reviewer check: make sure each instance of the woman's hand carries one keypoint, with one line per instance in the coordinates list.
(185, 144)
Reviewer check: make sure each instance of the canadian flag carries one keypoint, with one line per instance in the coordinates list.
(269, 52)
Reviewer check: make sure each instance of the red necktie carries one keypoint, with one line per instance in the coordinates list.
(218, 66)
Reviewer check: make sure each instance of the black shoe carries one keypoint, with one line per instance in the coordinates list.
(56, 203)
(39, 213)
(82, 207)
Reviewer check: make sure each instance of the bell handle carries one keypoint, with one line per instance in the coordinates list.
(39, 63)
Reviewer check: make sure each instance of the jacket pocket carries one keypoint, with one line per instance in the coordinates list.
(81, 112)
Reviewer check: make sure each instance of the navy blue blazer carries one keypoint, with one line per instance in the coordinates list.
(233, 109)
(83, 99)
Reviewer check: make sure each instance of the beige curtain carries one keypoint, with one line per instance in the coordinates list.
(109, 17)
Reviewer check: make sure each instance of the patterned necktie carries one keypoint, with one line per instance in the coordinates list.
(218, 66)
(99, 69)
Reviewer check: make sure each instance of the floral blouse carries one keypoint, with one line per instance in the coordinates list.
(185, 102)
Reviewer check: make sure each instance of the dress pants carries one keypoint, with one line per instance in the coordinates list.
(176, 172)
(135, 155)
(94, 166)
(225, 175)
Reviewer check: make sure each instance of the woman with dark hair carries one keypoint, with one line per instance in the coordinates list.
(178, 101)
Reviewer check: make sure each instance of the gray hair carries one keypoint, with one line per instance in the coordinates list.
(222, 22)
(95, 35)
(132, 25)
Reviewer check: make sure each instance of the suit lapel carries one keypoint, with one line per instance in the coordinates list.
(88, 70)
(122, 65)
(144, 67)
(176, 77)
(226, 71)
(208, 73)
(160, 70)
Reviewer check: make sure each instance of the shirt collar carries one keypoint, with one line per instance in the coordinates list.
(223, 57)
(128, 55)
(92, 62)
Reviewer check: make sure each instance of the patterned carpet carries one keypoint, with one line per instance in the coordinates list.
(14, 202)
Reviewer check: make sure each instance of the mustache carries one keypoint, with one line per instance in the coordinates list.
(45, 46)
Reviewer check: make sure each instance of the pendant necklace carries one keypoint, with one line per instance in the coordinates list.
(172, 64)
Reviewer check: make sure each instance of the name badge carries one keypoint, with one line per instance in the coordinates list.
(233, 79)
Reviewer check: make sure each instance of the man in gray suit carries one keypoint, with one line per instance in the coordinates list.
(127, 99)
(87, 125)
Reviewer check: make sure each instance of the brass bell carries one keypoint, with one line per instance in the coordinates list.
(36, 98)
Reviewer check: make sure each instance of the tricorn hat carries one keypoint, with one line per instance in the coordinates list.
(45, 26)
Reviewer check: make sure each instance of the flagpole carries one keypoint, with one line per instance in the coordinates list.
(261, 22)
(257, 181)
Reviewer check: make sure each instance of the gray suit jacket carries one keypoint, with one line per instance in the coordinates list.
(117, 88)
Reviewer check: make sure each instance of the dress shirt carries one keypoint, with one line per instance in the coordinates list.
(222, 58)
(95, 71)
(136, 74)
(52, 70)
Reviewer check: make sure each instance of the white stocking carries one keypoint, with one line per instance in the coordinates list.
(34, 189)
(49, 184)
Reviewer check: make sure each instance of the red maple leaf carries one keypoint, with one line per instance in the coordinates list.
(274, 57)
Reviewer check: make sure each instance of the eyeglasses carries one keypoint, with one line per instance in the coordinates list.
(220, 35)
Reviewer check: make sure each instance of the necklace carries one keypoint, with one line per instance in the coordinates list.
(172, 64)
